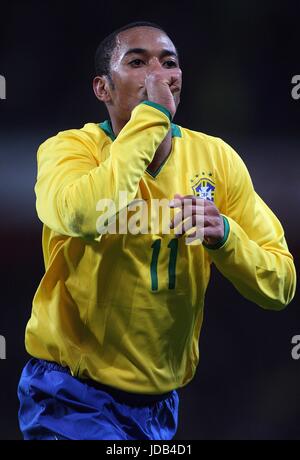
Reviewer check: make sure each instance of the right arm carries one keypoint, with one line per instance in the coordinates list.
(70, 182)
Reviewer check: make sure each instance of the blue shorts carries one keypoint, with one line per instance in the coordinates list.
(56, 405)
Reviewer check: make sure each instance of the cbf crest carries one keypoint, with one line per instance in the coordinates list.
(203, 186)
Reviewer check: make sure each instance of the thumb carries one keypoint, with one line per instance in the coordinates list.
(176, 201)
(178, 196)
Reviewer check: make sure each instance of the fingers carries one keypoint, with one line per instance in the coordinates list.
(193, 221)
(186, 212)
(196, 213)
(182, 200)
(175, 80)
(168, 76)
(210, 225)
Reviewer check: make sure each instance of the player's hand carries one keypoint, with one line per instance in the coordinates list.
(162, 85)
(203, 215)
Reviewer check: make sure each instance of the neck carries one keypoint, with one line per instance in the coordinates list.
(162, 151)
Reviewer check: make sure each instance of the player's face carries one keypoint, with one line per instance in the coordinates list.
(138, 51)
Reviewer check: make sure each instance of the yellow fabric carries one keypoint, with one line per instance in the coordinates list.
(95, 309)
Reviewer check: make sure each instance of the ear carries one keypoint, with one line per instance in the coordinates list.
(102, 89)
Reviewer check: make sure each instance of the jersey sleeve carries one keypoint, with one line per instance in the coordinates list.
(255, 256)
(70, 181)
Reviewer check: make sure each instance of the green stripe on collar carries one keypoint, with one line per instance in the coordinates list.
(107, 128)
(158, 107)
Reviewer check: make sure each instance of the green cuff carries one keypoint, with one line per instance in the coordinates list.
(223, 240)
(158, 107)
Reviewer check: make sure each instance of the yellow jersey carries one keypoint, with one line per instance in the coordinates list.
(126, 309)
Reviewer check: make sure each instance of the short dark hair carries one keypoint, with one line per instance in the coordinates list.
(108, 44)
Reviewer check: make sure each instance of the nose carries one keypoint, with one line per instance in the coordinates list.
(154, 64)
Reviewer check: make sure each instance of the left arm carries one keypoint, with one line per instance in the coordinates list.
(250, 250)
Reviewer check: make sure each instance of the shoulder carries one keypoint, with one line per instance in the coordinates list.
(90, 135)
(212, 145)
(217, 153)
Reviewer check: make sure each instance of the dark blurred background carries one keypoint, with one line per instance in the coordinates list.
(238, 60)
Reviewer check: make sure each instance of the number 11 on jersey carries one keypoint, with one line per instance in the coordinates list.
(173, 246)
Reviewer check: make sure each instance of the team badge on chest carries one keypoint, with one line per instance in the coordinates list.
(204, 186)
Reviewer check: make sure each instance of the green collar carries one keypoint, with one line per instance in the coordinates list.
(107, 128)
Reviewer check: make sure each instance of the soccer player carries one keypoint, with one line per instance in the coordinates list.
(116, 318)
